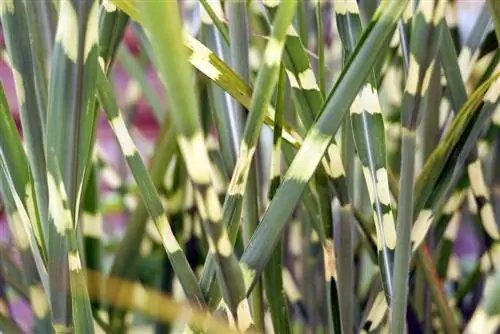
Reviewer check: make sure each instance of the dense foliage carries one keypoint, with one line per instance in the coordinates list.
(249, 166)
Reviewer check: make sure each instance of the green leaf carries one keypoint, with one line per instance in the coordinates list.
(319, 136)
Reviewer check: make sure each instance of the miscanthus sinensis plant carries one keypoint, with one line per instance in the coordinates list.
(318, 167)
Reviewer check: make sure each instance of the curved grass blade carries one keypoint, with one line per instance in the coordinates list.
(29, 275)
(25, 220)
(449, 151)
(16, 33)
(125, 262)
(216, 70)
(455, 167)
(458, 98)
(319, 136)
(15, 159)
(148, 191)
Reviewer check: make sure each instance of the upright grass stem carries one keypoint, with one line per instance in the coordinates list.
(426, 26)
(239, 48)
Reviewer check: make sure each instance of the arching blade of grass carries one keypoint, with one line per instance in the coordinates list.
(426, 29)
(150, 196)
(28, 274)
(126, 257)
(216, 70)
(70, 133)
(16, 164)
(458, 98)
(369, 137)
(17, 174)
(460, 102)
(432, 182)
(319, 136)
(15, 27)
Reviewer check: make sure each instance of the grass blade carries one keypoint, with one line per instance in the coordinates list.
(426, 183)
(18, 195)
(239, 36)
(60, 214)
(148, 191)
(216, 70)
(70, 133)
(273, 277)
(319, 136)
(112, 23)
(369, 137)
(92, 226)
(426, 27)
(15, 26)
(184, 109)
(267, 78)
